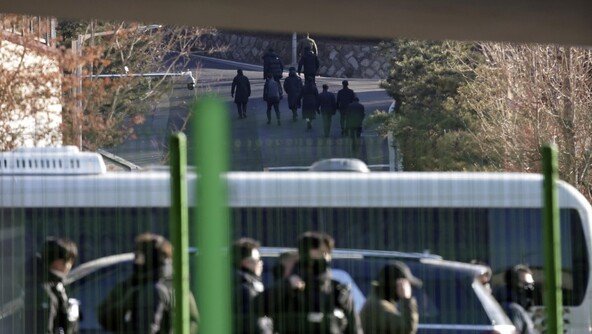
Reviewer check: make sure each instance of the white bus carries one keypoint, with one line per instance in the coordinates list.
(494, 218)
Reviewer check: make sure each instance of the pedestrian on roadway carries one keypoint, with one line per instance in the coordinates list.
(272, 64)
(307, 42)
(293, 87)
(47, 306)
(241, 90)
(272, 94)
(328, 107)
(310, 102)
(344, 97)
(391, 308)
(355, 114)
(309, 64)
(144, 302)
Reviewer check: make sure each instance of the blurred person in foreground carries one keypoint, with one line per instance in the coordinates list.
(48, 302)
(309, 300)
(517, 297)
(390, 308)
(248, 267)
(144, 302)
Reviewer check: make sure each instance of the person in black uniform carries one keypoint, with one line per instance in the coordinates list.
(310, 102)
(144, 302)
(309, 64)
(272, 64)
(309, 301)
(293, 87)
(248, 267)
(241, 90)
(48, 308)
(344, 97)
(327, 106)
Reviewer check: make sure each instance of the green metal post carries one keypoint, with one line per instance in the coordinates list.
(180, 231)
(213, 230)
(553, 297)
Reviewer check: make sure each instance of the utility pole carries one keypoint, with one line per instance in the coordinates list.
(294, 46)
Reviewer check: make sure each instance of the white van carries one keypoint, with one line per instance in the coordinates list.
(490, 217)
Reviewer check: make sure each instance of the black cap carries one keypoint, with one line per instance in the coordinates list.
(345, 82)
(395, 270)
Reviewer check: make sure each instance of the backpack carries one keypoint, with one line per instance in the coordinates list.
(272, 91)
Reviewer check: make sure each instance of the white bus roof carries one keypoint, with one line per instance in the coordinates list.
(298, 189)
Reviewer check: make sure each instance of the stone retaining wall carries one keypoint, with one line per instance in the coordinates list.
(338, 58)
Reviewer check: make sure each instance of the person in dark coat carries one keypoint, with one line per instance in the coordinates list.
(390, 308)
(272, 64)
(144, 302)
(241, 90)
(517, 297)
(310, 301)
(355, 114)
(247, 285)
(272, 94)
(345, 96)
(48, 310)
(309, 64)
(310, 102)
(293, 87)
(327, 106)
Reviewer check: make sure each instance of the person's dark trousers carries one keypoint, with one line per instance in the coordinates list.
(354, 135)
(294, 114)
(327, 124)
(307, 76)
(242, 109)
(342, 121)
(276, 106)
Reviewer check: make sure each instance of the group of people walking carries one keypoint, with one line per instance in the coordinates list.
(302, 95)
(306, 299)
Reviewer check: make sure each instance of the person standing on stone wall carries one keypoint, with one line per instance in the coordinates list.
(293, 87)
(241, 90)
(272, 64)
(327, 106)
(309, 64)
(344, 97)
(307, 42)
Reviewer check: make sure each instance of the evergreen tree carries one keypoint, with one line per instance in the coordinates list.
(433, 130)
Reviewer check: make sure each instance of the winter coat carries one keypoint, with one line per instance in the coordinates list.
(272, 64)
(269, 94)
(380, 316)
(310, 100)
(241, 89)
(293, 87)
(247, 287)
(327, 103)
(354, 115)
(47, 307)
(143, 304)
(321, 306)
(309, 64)
(344, 97)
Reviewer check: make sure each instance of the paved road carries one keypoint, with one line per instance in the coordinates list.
(255, 145)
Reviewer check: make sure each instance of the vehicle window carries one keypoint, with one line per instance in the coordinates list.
(500, 237)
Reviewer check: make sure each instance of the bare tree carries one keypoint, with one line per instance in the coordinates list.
(526, 95)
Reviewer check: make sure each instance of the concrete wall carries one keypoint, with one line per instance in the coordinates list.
(338, 58)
